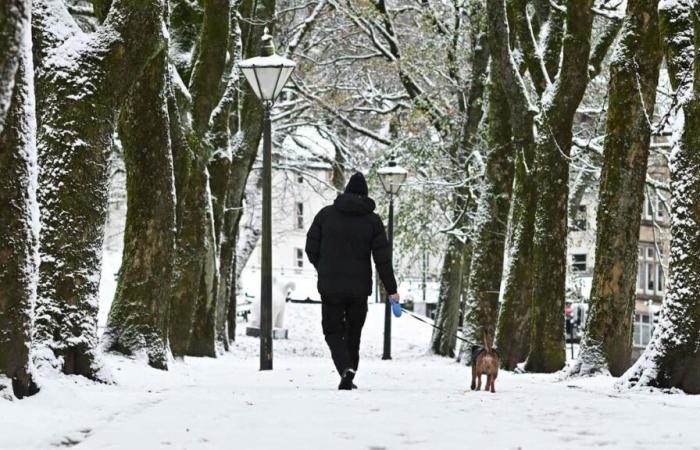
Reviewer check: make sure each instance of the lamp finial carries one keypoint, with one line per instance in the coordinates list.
(268, 47)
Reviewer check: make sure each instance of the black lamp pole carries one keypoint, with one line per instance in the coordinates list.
(266, 249)
(387, 308)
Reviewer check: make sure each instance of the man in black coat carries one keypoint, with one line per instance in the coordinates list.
(339, 244)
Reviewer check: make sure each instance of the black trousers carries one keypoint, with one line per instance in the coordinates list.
(342, 321)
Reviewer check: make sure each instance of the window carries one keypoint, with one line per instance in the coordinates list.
(654, 207)
(300, 216)
(650, 273)
(642, 330)
(298, 258)
(579, 262)
(580, 221)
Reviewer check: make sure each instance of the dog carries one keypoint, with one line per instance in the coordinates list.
(484, 361)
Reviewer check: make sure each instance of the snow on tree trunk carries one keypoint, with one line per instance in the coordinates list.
(481, 309)
(554, 124)
(672, 358)
(634, 72)
(82, 80)
(19, 224)
(14, 19)
(139, 316)
(512, 334)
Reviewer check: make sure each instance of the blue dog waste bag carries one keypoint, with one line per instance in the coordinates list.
(395, 308)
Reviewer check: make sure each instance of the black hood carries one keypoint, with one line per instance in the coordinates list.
(354, 204)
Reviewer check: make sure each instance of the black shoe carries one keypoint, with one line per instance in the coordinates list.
(354, 386)
(346, 380)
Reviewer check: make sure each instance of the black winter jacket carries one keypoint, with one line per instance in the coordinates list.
(339, 243)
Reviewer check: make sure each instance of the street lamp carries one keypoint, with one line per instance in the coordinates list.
(392, 177)
(267, 74)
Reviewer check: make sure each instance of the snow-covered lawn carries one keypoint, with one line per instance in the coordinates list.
(414, 401)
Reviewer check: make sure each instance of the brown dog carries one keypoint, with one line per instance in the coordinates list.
(484, 361)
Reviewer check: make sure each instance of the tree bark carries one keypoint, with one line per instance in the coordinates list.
(634, 73)
(139, 316)
(14, 21)
(193, 317)
(672, 358)
(81, 83)
(481, 310)
(547, 352)
(19, 217)
(447, 316)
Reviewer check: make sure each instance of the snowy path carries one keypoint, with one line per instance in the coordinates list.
(414, 401)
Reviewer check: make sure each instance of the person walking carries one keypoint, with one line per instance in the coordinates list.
(339, 244)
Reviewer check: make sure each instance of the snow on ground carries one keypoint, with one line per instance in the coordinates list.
(415, 401)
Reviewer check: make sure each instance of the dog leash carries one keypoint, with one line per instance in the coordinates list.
(424, 320)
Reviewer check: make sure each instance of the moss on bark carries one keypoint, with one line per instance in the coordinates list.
(139, 314)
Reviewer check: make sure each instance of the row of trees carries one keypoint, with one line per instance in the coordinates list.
(161, 77)
(543, 57)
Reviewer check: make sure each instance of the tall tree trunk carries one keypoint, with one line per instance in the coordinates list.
(19, 219)
(81, 83)
(224, 127)
(193, 317)
(14, 20)
(547, 353)
(447, 315)
(481, 310)
(672, 358)
(139, 316)
(634, 73)
(513, 330)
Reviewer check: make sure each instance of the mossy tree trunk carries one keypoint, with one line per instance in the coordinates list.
(554, 124)
(634, 72)
(19, 217)
(81, 83)
(138, 318)
(481, 309)
(513, 326)
(672, 358)
(193, 314)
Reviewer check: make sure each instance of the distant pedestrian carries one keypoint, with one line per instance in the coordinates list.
(339, 244)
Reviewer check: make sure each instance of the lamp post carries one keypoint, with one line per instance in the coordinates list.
(267, 74)
(392, 177)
